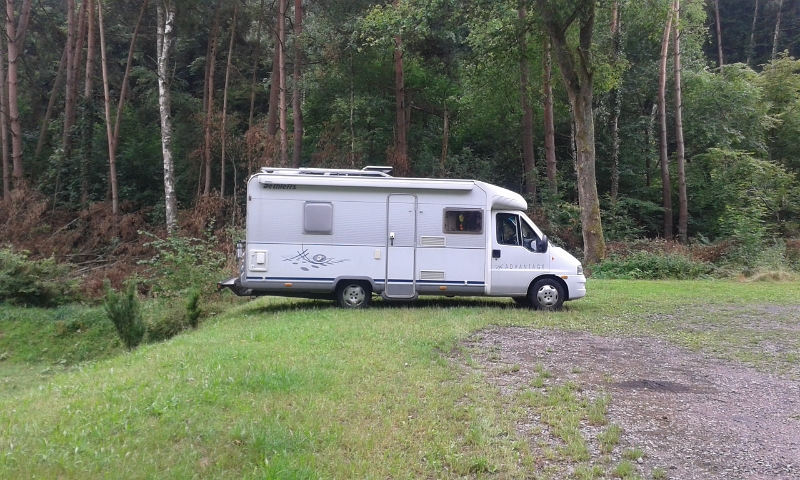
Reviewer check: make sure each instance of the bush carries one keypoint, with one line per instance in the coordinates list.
(123, 311)
(193, 310)
(184, 263)
(42, 283)
(165, 326)
(649, 266)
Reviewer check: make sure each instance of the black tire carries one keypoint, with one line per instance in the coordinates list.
(354, 294)
(546, 294)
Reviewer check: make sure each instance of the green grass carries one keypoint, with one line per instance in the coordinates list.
(278, 388)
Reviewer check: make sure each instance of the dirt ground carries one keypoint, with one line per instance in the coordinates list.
(693, 416)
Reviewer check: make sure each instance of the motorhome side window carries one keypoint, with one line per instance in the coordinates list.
(512, 230)
(463, 221)
(318, 218)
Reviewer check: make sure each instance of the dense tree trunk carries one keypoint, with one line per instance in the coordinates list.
(400, 154)
(719, 36)
(549, 123)
(274, 95)
(445, 141)
(208, 98)
(87, 109)
(15, 39)
(256, 57)
(225, 103)
(683, 202)
(124, 87)
(751, 47)
(4, 125)
(4, 153)
(297, 104)
(166, 22)
(528, 159)
(666, 188)
(777, 32)
(52, 102)
(616, 101)
(112, 159)
(74, 62)
(282, 119)
(578, 81)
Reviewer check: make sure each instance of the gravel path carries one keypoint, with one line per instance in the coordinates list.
(694, 417)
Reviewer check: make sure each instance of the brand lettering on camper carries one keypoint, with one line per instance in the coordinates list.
(280, 186)
(517, 266)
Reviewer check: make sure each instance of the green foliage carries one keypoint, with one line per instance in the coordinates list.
(627, 218)
(43, 283)
(649, 266)
(183, 263)
(123, 311)
(743, 197)
(193, 310)
(165, 325)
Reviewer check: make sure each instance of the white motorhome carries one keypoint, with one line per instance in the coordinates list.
(348, 234)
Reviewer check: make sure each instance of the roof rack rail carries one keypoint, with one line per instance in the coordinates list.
(370, 171)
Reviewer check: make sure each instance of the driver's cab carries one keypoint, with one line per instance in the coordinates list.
(514, 229)
(519, 253)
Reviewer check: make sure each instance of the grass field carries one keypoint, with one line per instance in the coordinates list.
(278, 388)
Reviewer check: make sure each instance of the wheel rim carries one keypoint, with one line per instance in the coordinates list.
(353, 295)
(547, 296)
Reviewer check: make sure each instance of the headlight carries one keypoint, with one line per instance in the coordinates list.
(580, 269)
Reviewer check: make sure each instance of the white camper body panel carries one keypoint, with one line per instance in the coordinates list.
(309, 230)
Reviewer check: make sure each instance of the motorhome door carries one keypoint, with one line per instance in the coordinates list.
(515, 259)
(401, 232)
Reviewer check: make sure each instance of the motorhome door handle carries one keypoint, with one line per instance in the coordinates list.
(495, 253)
(391, 239)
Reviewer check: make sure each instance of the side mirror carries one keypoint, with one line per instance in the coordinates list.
(541, 244)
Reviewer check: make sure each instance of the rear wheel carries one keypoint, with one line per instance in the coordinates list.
(354, 294)
(546, 294)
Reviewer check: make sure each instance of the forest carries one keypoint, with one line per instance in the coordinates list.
(665, 125)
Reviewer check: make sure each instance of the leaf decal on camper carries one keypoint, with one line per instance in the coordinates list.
(314, 260)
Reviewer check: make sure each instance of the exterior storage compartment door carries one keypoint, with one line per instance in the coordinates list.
(401, 232)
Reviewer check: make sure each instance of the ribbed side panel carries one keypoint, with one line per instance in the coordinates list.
(431, 275)
(426, 241)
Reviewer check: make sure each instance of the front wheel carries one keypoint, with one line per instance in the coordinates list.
(352, 294)
(546, 294)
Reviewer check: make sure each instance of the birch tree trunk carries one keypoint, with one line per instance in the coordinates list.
(15, 38)
(549, 123)
(225, 103)
(528, 158)
(577, 73)
(666, 188)
(166, 21)
(297, 104)
(683, 202)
